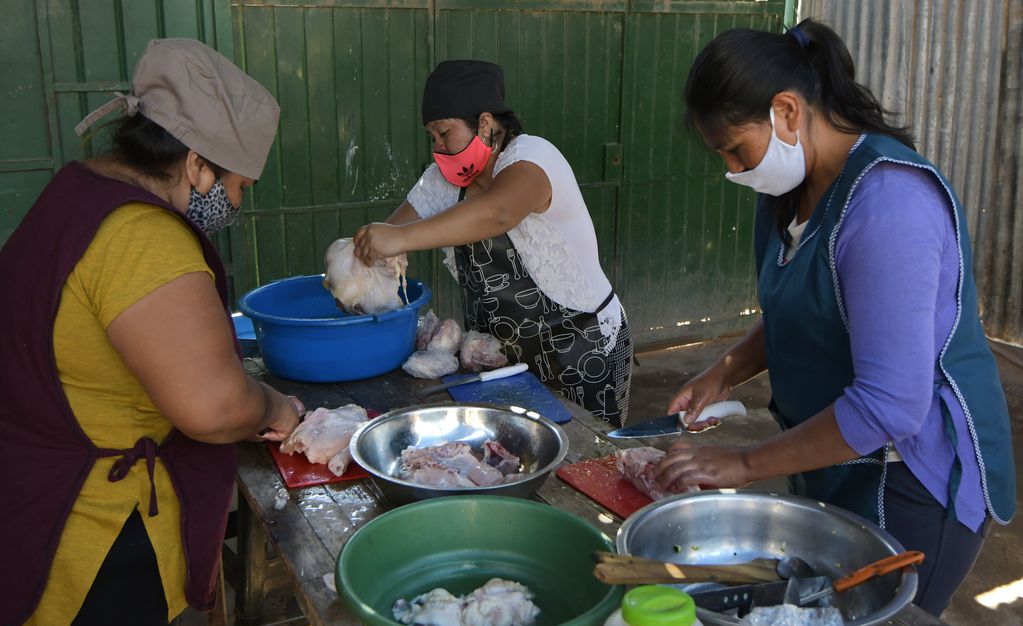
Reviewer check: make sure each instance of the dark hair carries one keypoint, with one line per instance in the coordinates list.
(508, 121)
(145, 146)
(733, 80)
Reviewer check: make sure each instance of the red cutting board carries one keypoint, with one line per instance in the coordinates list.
(297, 471)
(599, 479)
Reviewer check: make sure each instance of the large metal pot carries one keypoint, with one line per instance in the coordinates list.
(538, 442)
(729, 527)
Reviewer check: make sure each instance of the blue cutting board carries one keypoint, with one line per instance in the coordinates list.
(522, 390)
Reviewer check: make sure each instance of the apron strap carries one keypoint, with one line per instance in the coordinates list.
(144, 448)
(607, 301)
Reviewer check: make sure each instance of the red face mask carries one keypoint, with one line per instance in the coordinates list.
(462, 168)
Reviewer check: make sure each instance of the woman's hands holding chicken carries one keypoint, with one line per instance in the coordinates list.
(378, 240)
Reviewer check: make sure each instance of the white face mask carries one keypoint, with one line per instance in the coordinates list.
(779, 172)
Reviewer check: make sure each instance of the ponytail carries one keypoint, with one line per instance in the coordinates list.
(849, 105)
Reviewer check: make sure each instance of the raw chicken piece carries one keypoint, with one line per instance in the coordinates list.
(437, 475)
(426, 329)
(452, 464)
(324, 436)
(447, 338)
(499, 603)
(636, 465)
(361, 289)
(495, 455)
(430, 364)
(481, 351)
(433, 608)
(339, 462)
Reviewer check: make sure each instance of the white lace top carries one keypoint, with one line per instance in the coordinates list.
(558, 247)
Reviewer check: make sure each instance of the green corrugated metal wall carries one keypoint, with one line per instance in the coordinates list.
(601, 79)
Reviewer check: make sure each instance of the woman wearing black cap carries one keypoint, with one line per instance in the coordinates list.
(518, 237)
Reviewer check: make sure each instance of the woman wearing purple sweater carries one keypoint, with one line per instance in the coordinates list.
(882, 380)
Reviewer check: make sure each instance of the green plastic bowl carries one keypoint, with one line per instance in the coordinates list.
(461, 542)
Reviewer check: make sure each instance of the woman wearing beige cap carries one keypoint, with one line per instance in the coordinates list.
(122, 390)
(519, 239)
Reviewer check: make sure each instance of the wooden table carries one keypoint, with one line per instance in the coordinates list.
(293, 537)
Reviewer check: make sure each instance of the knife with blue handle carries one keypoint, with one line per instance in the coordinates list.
(673, 424)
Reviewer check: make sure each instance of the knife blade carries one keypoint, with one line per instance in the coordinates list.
(501, 372)
(673, 425)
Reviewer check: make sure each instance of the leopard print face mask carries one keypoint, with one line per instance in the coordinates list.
(213, 210)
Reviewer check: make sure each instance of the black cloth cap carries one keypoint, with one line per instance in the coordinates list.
(463, 89)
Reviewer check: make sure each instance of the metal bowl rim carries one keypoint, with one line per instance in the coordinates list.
(558, 431)
(907, 583)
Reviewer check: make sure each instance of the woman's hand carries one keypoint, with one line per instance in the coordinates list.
(280, 429)
(688, 464)
(706, 388)
(378, 241)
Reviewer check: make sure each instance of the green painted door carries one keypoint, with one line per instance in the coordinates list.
(63, 58)
(601, 79)
(685, 236)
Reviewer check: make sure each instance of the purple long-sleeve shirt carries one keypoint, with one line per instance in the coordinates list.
(897, 260)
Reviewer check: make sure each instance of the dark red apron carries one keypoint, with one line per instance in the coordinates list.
(45, 456)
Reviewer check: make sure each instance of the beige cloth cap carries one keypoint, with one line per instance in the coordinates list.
(201, 98)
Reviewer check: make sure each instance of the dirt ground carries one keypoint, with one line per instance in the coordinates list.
(661, 372)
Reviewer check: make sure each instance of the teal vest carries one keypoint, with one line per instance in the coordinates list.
(808, 351)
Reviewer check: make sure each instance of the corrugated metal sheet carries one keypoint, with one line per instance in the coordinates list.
(952, 69)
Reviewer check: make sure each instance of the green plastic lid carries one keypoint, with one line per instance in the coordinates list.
(653, 605)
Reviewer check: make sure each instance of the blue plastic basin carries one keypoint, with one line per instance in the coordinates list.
(304, 336)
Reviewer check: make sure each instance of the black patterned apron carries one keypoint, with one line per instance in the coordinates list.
(563, 347)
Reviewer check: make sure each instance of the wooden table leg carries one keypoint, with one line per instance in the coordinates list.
(251, 574)
(255, 571)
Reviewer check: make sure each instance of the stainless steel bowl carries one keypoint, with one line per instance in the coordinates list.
(538, 442)
(729, 527)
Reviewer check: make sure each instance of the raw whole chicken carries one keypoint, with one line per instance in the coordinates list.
(453, 464)
(636, 465)
(324, 436)
(360, 289)
(426, 329)
(447, 338)
(430, 364)
(481, 351)
(497, 603)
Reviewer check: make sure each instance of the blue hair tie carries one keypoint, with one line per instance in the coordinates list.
(799, 36)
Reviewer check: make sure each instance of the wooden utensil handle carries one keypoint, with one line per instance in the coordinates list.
(622, 569)
(879, 568)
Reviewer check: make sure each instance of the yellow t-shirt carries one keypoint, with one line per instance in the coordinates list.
(138, 248)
